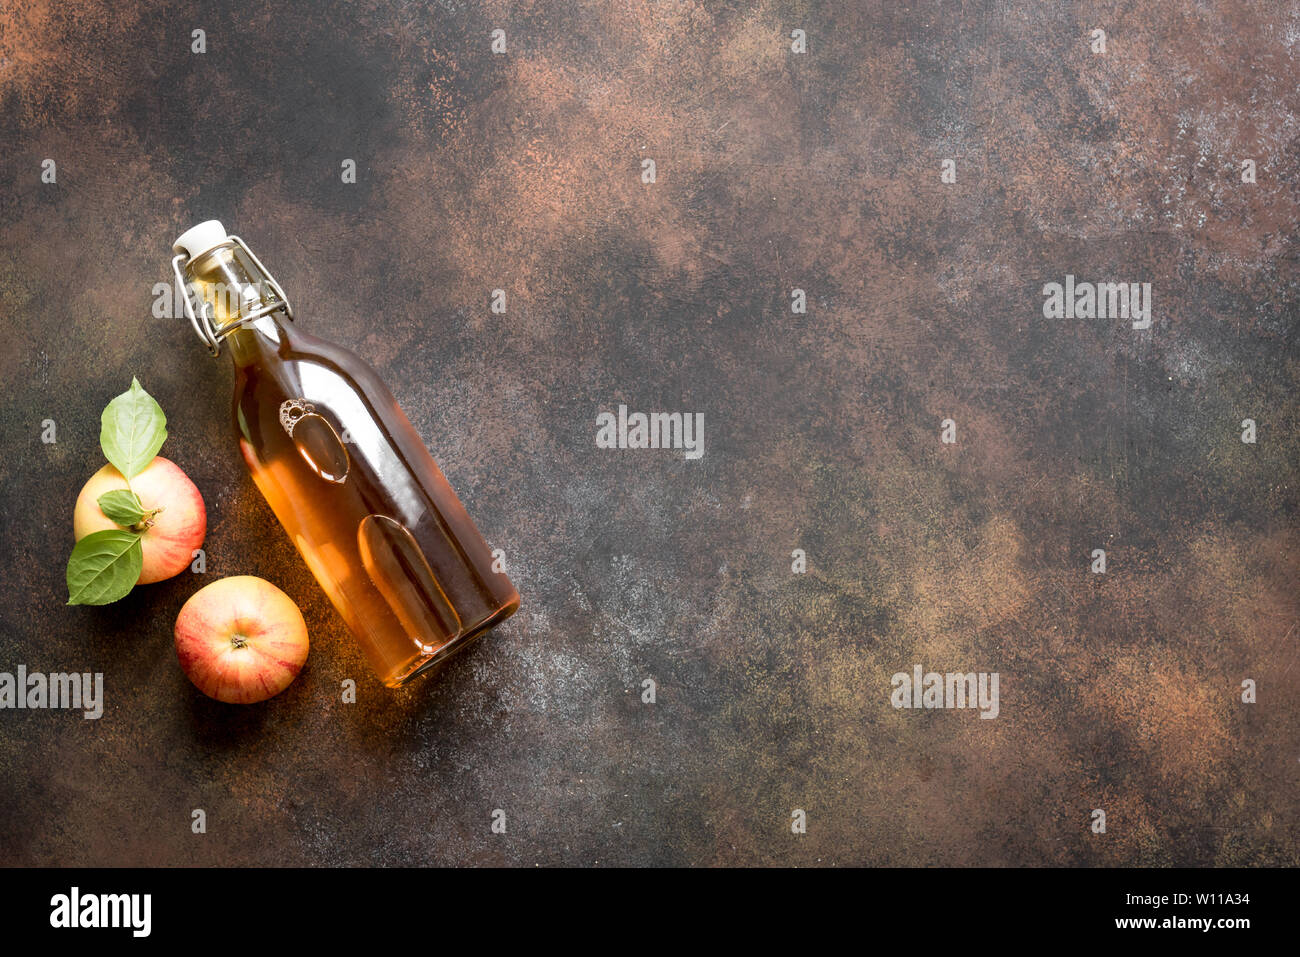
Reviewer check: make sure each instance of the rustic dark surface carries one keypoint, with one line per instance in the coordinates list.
(775, 171)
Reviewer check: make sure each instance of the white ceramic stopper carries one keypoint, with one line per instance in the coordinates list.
(197, 240)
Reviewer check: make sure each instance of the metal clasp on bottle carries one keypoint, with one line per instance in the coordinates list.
(201, 319)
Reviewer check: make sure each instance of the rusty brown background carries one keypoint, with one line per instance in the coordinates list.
(775, 171)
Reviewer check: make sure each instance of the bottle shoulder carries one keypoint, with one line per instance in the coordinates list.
(301, 361)
(299, 375)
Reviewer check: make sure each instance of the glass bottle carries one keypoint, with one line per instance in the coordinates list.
(343, 469)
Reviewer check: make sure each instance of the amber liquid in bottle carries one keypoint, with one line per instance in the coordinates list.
(353, 484)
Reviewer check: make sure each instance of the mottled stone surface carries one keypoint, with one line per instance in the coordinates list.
(776, 171)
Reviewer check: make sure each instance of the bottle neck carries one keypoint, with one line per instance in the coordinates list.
(249, 344)
(232, 289)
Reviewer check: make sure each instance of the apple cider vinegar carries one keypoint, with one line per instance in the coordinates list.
(343, 469)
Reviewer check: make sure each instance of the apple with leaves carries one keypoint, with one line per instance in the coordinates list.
(241, 640)
(170, 518)
(139, 519)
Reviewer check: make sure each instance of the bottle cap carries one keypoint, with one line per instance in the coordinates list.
(197, 240)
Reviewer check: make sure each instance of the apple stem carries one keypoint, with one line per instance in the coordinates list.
(150, 517)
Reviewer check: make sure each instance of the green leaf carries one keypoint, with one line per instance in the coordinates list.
(104, 566)
(122, 506)
(133, 429)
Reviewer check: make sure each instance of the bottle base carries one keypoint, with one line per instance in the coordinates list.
(433, 662)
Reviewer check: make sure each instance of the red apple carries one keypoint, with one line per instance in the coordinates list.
(177, 530)
(241, 640)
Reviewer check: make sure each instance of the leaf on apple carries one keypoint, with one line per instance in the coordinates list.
(104, 566)
(132, 430)
(122, 506)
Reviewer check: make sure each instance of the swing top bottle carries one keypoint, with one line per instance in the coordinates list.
(343, 470)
